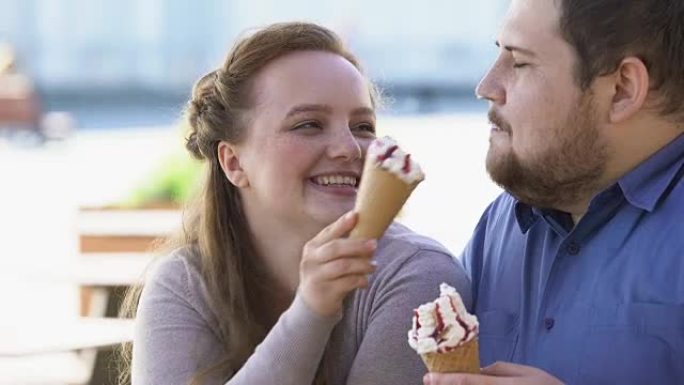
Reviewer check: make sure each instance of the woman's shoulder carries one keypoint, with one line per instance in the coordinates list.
(177, 273)
(402, 252)
(416, 263)
(400, 240)
(179, 263)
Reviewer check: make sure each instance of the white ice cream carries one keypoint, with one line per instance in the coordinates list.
(443, 324)
(385, 152)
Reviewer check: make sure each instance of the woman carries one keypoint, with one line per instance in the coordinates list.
(262, 289)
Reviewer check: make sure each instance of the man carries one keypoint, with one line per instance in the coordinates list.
(578, 269)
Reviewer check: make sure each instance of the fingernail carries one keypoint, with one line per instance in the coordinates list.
(374, 263)
(372, 244)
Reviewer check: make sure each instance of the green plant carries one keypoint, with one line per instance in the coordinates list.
(170, 185)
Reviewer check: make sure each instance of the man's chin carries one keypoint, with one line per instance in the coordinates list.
(505, 170)
(498, 162)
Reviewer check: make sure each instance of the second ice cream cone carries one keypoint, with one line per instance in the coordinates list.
(445, 335)
(464, 359)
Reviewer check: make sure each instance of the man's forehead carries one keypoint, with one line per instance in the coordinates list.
(530, 24)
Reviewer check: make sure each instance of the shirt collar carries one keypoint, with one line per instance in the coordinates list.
(645, 185)
(642, 187)
(525, 215)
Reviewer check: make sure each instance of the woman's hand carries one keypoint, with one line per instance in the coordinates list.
(333, 266)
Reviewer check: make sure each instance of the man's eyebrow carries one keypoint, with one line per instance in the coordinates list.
(309, 108)
(511, 48)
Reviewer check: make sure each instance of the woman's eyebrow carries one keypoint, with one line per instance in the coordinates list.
(309, 108)
(363, 111)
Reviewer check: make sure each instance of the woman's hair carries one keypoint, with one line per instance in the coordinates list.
(215, 225)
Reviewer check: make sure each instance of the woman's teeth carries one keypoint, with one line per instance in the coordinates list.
(335, 180)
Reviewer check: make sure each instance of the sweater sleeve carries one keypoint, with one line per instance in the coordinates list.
(172, 338)
(175, 336)
(384, 356)
(292, 351)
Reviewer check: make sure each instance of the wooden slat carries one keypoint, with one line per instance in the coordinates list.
(52, 336)
(110, 269)
(56, 368)
(117, 243)
(115, 231)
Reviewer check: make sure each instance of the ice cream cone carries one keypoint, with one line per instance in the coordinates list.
(380, 197)
(464, 359)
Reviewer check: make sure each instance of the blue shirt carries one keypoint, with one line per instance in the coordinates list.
(597, 303)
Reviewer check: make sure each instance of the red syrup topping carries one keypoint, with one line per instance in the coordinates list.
(460, 321)
(407, 164)
(440, 323)
(387, 154)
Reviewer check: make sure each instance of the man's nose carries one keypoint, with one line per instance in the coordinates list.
(490, 87)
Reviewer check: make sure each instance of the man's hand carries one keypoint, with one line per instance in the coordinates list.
(500, 373)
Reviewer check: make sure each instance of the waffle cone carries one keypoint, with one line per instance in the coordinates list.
(465, 359)
(380, 197)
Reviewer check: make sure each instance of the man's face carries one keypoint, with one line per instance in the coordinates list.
(545, 146)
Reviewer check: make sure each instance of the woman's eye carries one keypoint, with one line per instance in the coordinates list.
(520, 65)
(365, 127)
(307, 125)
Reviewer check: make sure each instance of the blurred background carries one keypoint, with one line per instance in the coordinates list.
(92, 167)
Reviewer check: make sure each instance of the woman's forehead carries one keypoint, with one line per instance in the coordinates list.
(311, 77)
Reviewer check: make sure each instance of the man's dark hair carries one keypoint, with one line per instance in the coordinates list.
(603, 32)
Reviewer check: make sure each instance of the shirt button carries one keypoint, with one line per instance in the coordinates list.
(548, 323)
(573, 248)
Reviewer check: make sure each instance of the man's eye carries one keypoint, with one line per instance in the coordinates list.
(520, 65)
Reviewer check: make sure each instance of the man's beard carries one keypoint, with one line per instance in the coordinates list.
(563, 174)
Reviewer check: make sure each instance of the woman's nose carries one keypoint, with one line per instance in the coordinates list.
(344, 145)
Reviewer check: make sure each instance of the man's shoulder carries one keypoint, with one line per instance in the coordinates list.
(497, 233)
(503, 204)
(499, 214)
(673, 203)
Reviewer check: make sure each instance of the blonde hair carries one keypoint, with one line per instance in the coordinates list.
(215, 225)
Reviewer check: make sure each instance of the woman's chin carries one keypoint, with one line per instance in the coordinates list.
(330, 213)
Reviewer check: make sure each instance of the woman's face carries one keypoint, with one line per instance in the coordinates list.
(308, 132)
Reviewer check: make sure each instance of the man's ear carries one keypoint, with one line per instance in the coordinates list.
(631, 86)
(230, 164)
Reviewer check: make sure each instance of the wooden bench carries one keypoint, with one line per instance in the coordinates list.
(54, 351)
(115, 250)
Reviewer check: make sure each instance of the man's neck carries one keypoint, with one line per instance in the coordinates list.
(576, 210)
(576, 218)
(628, 151)
(635, 141)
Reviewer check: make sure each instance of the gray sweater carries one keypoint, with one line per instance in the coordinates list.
(175, 329)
